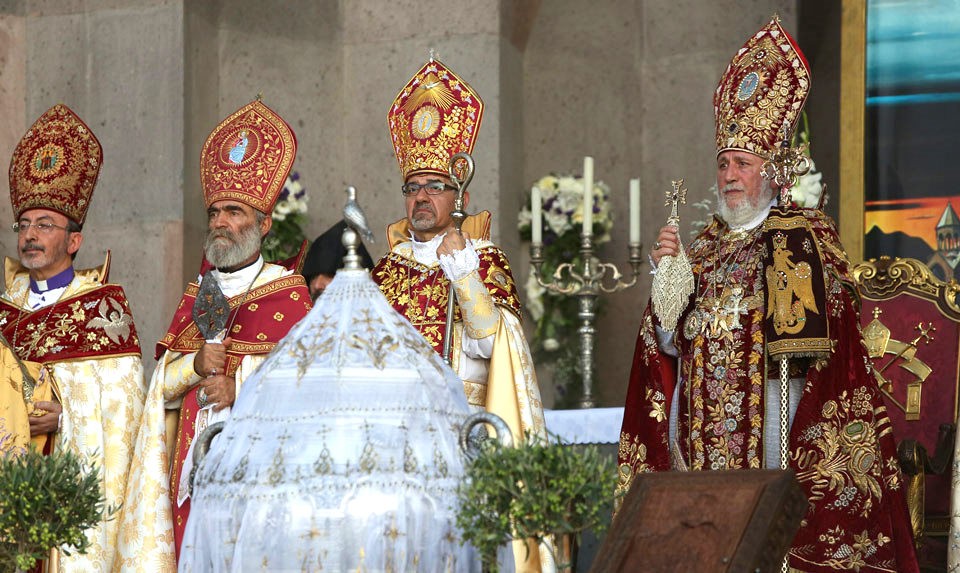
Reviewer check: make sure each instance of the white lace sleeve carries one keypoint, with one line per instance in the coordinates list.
(461, 263)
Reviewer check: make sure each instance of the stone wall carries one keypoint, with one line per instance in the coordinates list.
(627, 81)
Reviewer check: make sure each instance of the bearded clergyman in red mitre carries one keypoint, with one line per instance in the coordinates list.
(771, 282)
(243, 166)
(77, 351)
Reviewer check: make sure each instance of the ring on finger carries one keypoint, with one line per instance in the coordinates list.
(656, 246)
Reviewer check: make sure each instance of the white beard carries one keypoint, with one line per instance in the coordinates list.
(748, 209)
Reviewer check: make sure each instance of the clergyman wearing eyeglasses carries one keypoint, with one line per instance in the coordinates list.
(72, 330)
(435, 116)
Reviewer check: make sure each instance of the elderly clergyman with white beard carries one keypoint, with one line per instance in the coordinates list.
(771, 282)
(243, 166)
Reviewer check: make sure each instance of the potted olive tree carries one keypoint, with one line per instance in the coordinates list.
(46, 502)
(541, 491)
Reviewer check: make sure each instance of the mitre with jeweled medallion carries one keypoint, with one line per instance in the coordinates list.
(762, 92)
(435, 116)
(247, 158)
(55, 166)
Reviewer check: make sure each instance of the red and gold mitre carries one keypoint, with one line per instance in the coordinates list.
(247, 158)
(55, 165)
(761, 94)
(435, 116)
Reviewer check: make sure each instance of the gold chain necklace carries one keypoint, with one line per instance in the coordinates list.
(745, 239)
(719, 313)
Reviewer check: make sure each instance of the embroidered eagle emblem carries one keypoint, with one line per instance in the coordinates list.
(114, 321)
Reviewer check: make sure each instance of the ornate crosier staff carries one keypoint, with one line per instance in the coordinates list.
(784, 167)
(461, 164)
(587, 283)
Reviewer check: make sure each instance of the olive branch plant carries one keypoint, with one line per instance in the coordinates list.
(47, 501)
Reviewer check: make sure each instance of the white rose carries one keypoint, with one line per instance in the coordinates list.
(551, 344)
(558, 222)
(807, 191)
(534, 297)
(570, 184)
(569, 200)
(524, 218)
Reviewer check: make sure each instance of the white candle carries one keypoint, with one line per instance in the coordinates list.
(634, 211)
(588, 195)
(536, 217)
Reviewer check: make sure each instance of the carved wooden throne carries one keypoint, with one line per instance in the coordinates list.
(911, 326)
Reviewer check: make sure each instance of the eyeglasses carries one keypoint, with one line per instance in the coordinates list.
(44, 228)
(432, 188)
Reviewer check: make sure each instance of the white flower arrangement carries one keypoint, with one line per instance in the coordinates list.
(562, 197)
(809, 188)
(293, 199)
(289, 218)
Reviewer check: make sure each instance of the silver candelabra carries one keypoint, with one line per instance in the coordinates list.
(586, 281)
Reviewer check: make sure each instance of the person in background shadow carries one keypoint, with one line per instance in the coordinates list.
(325, 258)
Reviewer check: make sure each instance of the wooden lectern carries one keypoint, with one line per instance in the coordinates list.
(730, 521)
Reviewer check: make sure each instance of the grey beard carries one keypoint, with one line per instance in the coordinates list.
(226, 255)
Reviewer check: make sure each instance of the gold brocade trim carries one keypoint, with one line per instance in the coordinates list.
(800, 347)
(477, 308)
(476, 392)
(255, 293)
(98, 357)
(633, 461)
(189, 338)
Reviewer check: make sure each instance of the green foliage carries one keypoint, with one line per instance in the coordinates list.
(534, 491)
(46, 502)
(285, 237)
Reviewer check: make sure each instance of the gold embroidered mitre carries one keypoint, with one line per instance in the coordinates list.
(55, 166)
(435, 116)
(761, 93)
(247, 158)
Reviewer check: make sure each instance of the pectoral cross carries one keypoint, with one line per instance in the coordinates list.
(678, 195)
(733, 307)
